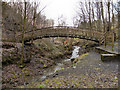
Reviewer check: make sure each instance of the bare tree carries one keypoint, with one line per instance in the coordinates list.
(102, 12)
(109, 25)
(34, 19)
(61, 21)
(98, 16)
(90, 14)
(23, 32)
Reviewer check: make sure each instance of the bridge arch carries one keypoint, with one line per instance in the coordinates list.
(70, 36)
(61, 31)
(64, 31)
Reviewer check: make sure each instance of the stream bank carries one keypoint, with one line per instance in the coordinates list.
(46, 55)
(90, 72)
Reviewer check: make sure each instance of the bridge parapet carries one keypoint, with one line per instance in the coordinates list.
(67, 32)
(62, 31)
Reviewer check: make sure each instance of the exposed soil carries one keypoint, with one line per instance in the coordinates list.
(37, 59)
(87, 71)
(90, 72)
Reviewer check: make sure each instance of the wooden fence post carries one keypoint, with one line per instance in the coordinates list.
(113, 40)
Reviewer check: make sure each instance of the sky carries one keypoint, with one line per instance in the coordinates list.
(56, 8)
(67, 8)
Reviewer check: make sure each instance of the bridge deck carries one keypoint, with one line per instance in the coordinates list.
(59, 32)
(108, 48)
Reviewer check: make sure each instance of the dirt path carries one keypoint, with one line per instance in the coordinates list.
(90, 72)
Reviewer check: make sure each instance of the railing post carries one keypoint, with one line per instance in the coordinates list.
(105, 41)
(99, 42)
(113, 41)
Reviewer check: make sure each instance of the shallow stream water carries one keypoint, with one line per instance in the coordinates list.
(60, 65)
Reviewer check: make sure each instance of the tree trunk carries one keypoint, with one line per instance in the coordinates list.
(98, 16)
(90, 19)
(103, 15)
(113, 27)
(109, 15)
(34, 16)
(22, 51)
(119, 26)
(93, 15)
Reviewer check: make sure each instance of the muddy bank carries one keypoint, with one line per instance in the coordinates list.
(13, 76)
(90, 72)
(38, 59)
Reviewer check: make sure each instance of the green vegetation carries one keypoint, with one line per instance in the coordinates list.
(45, 65)
(41, 86)
(59, 69)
